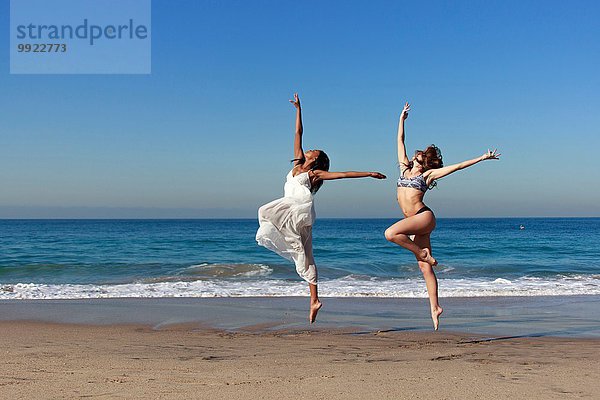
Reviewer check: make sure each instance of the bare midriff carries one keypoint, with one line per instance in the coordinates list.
(410, 200)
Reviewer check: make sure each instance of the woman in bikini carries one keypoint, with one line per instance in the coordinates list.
(413, 232)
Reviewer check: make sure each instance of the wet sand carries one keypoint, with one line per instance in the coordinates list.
(564, 316)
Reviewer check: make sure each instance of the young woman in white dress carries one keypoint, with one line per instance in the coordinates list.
(286, 223)
(416, 176)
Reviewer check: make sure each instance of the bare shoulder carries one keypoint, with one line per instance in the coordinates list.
(428, 173)
(316, 174)
(429, 176)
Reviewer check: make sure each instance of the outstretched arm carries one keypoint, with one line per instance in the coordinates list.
(433, 174)
(298, 151)
(328, 176)
(402, 157)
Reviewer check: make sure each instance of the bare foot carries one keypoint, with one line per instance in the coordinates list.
(435, 316)
(426, 256)
(315, 306)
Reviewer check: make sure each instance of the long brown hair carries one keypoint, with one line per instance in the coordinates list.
(432, 159)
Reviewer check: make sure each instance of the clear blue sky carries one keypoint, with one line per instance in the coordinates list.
(209, 132)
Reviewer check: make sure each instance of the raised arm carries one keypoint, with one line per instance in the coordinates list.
(328, 176)
(298, 151)
(433, 174)
(402, 157)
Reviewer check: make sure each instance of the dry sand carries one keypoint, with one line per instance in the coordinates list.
(61, 361)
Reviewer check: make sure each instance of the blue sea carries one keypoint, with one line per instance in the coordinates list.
(68, 259)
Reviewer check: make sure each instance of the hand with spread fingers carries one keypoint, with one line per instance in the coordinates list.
(492, 155)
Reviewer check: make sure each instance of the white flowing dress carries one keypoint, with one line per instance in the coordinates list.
(285, 225)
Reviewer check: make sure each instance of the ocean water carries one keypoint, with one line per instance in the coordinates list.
(63, 259)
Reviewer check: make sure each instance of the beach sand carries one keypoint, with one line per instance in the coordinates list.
(56, 360)
(263, 348)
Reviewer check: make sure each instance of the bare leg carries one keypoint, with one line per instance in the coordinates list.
(430, 281)
(315, 303)
(419, 224)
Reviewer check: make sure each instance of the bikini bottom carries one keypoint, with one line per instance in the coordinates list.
(424, 209)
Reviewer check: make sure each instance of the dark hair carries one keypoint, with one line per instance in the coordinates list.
(321, 164)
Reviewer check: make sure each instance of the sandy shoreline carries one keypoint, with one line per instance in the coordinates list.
(249, 348)
(49, 360)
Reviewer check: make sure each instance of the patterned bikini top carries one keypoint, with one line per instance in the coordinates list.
(416, 182)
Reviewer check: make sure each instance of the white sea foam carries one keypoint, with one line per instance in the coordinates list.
(351, 286)
(227, 270)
